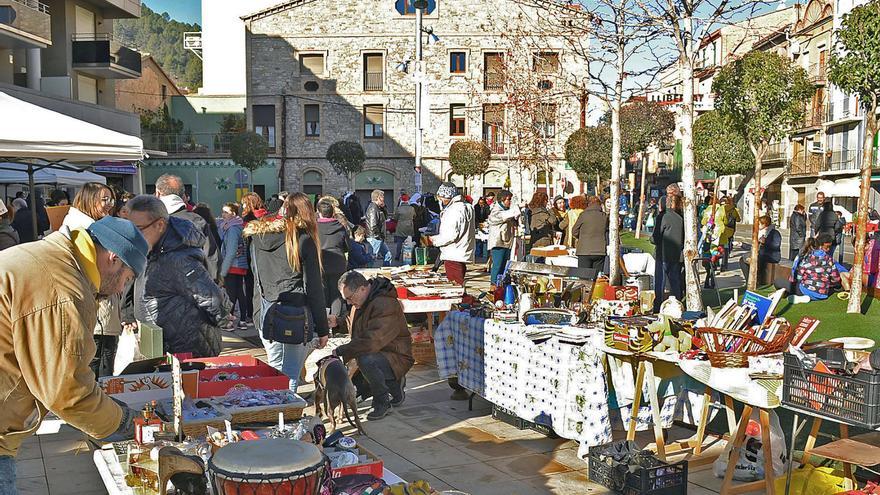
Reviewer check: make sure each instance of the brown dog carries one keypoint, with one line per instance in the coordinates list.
(334, 389)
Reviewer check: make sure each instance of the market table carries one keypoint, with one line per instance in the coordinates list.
(761, 394)
(429, 307)
(550, 378)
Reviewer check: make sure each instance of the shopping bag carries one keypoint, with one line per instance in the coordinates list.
(127, 351)
(750, 458)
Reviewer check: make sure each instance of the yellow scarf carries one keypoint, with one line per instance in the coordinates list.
(86, 255)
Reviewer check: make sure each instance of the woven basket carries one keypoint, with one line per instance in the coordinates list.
(715, 338)
(198, 429)
(263, 414)
(423, 352)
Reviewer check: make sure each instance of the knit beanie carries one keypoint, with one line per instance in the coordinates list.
(447, 190)
(123, 239)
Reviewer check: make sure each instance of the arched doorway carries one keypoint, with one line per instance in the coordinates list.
(313, 184)
(369, 180)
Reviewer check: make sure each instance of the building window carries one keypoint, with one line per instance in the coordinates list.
(374, 115)
(164, 92)
(264, 122)
(545, 120)
(457, 119)
(493, 75)
(311, 64)
(493, 126)
(545, 62)
(373, 70)
(457, 62)
(313, 120)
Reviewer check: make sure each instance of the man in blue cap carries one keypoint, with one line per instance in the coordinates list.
(48, 310)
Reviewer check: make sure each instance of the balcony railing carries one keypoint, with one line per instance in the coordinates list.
(373, 81)
(813, 116)
(190, 143)
(494, 81)
(29, 16)
(777, 152)
(818, 72)
(101, 55)
(34, 4)
(494, 143)
(805, 164)
(842, 160)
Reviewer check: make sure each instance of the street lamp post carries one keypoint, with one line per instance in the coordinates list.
(420, 6)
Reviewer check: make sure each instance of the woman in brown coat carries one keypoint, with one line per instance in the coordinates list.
(380, 341)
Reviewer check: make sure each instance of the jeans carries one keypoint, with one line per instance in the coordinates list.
(668, 273)
(381, 250)
(590, 261)
(234, 285)
(500, 256)
(398, 247)
(249, 294)
(376, 371)
(7, 475)
(480, 249)
(105, 355)
(287, 358)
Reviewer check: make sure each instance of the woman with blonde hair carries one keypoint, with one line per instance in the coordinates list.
(287, 266)
(92, 203)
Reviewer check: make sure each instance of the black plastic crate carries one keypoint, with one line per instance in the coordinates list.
(853, 399)
(641, 473)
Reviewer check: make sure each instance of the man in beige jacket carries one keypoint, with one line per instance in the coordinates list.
(48, 309)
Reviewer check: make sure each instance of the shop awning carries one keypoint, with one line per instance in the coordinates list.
(846, 188)
(33, 132)
(17, 173)
(768, 176)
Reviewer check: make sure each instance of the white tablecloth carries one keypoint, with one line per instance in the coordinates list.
(736, 383)
(428, 305)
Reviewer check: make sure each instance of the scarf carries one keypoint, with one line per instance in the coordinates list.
(225, 225)
(86, 255)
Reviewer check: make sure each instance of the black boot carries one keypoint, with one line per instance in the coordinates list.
(380, 409)
(398, 392)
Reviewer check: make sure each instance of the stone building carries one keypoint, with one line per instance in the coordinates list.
(318, 73)
(153, 90)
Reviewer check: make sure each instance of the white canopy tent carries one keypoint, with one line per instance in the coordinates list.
(17, 173)
(42, 141)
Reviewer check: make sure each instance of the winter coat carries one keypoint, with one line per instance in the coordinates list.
(46, 341)
(732, 217)
(210, 243)
(233, 252)
(770, 251)
(276, 281)
(351, 206)
(797, 233)
(380, 326)
(177, 294)
(826, 223)
(334, 245)
(502, 225)
(109, 309)
(671, 236)
(376, 217)
(591, 232)
(8, 236)
(818, 273)
(542, 225)
(719, 230)
(406, 221)
(567, 224)
(360, 254)
(457, 236)
(481, 213)
(813, 212)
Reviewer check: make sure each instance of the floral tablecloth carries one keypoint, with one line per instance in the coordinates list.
(553, 379)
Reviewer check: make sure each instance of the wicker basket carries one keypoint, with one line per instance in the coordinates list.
(718, 338)
(263, 414)
(197, 429)
(423, 352)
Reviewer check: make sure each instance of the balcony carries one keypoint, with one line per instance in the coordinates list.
(494, 142)
(814, 116)
(818, 73)
(806, 164)
(102, 56)
(777, 152)
(373, 81)
(119, 9)
(843, 161)
(203, 144)
(24, 24)
(494, 81)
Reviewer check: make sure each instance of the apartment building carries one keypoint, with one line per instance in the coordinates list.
(317, 74)
(61, 55)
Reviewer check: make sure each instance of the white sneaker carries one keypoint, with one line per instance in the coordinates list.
(799, 299)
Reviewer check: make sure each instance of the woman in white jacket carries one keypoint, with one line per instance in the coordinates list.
(94, 202)
(502, 227)
(456, 238)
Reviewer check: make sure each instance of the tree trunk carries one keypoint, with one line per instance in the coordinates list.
(598, 185)
(756, 213)
(642, 199)
(693, 295)
(858, 269)
(613, 215)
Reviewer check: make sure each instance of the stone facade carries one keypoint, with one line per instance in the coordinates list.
(149, 92)
(277, 39)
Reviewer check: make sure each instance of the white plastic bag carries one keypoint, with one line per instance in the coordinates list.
(750, 458)
(127, 351)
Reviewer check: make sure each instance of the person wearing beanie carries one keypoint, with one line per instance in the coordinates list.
(176, 291)
(457, 236)
(46, 341)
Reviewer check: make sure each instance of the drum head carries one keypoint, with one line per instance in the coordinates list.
(267, 457)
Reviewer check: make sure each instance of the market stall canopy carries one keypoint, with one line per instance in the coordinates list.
(34, 132)
(846, 188)
(768, 176)
(17, 173)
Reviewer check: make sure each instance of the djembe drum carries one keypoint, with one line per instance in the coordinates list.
(268, 467)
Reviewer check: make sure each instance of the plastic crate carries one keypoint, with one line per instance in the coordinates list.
(649, 476)
(853, 399)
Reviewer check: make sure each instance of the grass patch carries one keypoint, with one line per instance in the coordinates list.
(628, 239)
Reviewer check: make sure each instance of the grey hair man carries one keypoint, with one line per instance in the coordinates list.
(376, 216)
(176, 292)
(171, 190)
(380, 341)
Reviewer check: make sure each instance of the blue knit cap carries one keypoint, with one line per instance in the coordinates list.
(123, 239)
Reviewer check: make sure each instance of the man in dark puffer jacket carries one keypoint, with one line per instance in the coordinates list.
(176, 292)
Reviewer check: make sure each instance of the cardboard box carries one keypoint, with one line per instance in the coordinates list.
(260, 377)
(139, 389)
(226, 362)
(371, 464)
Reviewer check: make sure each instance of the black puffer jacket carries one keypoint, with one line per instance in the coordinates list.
(177, 294)
(376, 217)
(210, 243)
(334, 245)
(275, 280)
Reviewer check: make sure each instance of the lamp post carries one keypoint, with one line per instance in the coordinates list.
(420, 6)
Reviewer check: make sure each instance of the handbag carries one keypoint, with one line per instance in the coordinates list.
(283, 323)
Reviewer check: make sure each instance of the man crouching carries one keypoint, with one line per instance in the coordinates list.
(380, 341)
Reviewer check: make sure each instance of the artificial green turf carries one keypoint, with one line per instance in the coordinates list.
(628, 239)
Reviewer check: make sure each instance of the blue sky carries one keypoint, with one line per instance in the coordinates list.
(189, 11)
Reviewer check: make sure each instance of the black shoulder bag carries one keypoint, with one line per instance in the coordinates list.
(282, 322)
